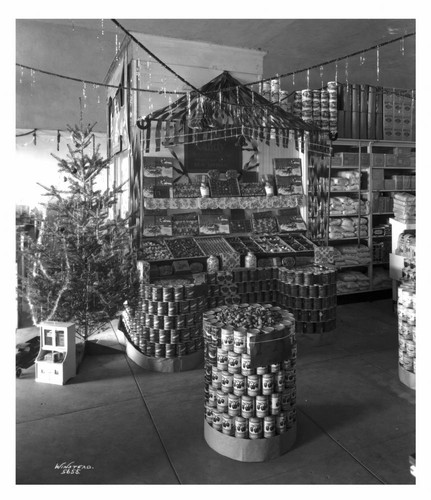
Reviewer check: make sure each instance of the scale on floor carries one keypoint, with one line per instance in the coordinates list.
(56, 361)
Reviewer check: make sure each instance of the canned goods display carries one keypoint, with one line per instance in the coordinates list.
(250, 403)
(309, 292)
(406, 310)
(167, 321)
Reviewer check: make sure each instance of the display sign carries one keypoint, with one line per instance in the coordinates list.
(221, 155)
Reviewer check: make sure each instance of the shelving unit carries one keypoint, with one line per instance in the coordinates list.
(372, 182)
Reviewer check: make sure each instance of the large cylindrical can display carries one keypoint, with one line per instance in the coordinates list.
(256, 403)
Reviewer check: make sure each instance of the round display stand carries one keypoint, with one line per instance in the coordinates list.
(184, 363)
(250, 450)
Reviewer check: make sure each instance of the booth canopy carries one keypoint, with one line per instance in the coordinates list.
(222, 108)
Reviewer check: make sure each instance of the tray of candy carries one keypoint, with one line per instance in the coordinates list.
(236, 244)
(214, 246)
(240, 226)
(186, 191)
(184, 248)
(250, 244)
(154, 250)
(185, 224)
(291, 240)
(252, 189)
(224, 188)
(300, 238)
(264, 224)
(272, 244)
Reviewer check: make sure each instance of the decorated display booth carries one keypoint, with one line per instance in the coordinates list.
(216, 193)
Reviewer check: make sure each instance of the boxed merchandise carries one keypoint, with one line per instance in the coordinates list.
(389, 184)
(289, 219)
(213, 222)
(157, 225)
(264, 222)
(288, 176)
(390, 160)
(158, 176)
(377, 159)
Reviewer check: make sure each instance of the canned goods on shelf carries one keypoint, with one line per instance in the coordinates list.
(262, 407)
(255, 430)
(241, 427)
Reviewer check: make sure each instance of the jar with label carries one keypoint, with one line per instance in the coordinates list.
(250, 260)
(269, 189)
(205, 190)
(213, 264)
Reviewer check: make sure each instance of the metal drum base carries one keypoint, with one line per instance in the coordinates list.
(249, 450)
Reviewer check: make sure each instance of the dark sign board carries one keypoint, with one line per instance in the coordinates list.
(220, 154)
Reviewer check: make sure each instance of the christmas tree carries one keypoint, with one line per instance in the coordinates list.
(81, 267)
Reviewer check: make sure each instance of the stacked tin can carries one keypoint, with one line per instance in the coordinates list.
(333, 107)
(307, 105)
(407, 326)
(167, 322)
(249, 285)
(310, 293)
(245, 402)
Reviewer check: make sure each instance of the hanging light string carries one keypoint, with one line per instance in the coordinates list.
(163, 91)
(353, 54)
(154, 56)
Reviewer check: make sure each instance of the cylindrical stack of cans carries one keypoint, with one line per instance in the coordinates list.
(307, 105)
(297, 104)
(407, 326)
(167, 322)
(240, 401)
(310, 293)
(324, 110)
(316, 104)
(247, 285)
(333, 107)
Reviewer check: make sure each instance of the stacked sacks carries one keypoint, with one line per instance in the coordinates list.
(352, 255)
(346, 181)
(405, 207)
(347, 227)
(352, 281)
(345, 205)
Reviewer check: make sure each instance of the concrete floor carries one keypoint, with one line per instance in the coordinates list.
(356, 420)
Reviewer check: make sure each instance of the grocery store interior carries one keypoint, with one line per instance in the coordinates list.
(215, 252)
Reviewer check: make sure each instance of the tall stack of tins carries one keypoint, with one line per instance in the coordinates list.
(250, 381)
(407, 334)
(250, 285)
(310, 293)
(166, 323)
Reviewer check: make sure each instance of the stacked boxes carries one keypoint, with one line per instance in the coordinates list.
(250, 371)
(167, 322)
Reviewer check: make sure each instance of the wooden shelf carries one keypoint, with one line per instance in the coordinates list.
(400, 190)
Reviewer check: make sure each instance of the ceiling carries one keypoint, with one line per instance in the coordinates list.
(79, 48)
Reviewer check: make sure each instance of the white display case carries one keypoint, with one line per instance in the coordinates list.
(56, 361)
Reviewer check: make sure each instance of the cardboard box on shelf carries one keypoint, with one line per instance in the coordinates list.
(389, 184)
(378, 184)
(378, 174)
(377, 159)
(390, 160)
